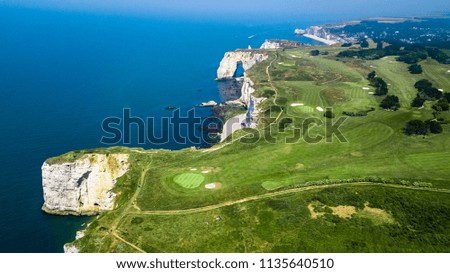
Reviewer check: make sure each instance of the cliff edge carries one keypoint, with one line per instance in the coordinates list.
(230, 61)
(83, 186)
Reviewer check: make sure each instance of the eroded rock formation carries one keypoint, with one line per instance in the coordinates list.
(82, 187)
(230, 61)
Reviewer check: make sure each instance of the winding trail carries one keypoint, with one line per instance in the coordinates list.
(130, 204)
(280, 193)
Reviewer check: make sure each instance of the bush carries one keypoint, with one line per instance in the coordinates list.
(390, 102)
(371, 75)
(346, 45)
(328, 114)
(434, 126)
(314, 52)
(364, 44)
(416, 127)
(441, 105)
(268, 93)
(417, 102)
(415, 69)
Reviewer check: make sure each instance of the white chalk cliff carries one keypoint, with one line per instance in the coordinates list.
(277, 44)
(230, 61)
(82, 187)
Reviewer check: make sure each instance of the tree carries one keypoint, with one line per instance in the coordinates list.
(441, 105)
(423, 84)
(371, 75)
(432, 93)
(380, 85)
(446, 96)
(390, 102)
(268, 93)
(364, 44)
(434, 126)
(328, 114)
(346, 45)
(314, 52)
(416, 127)
(380, 45)
(417, 101)
(415, 69)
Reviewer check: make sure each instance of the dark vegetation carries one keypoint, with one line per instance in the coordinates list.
(410, 54)
(390, 102)
(415, 69)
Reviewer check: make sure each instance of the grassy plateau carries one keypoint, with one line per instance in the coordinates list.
(293, 184)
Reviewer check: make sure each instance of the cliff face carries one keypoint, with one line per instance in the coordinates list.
(82, 187)
(277, 44)
(230, 61)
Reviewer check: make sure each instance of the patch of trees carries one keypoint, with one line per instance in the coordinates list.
(441, 105)
(410, 54)
(415, 69)
(314, 52)
(364, 44)
(346, 45)
(380, 85)
(413, 57)
(359, 113)
(438, 55)
(390, 102)
(419, 127)
(426, 91)
(268, 93)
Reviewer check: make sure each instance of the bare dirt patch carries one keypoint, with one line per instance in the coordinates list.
(356, 154)
(313, 212)
(299, 166)
(378, 216)
(213, 186)
(344, 211)
(210, 169)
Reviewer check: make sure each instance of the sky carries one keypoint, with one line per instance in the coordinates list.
(244, 10)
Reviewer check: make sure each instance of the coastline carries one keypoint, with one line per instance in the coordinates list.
(322, 40)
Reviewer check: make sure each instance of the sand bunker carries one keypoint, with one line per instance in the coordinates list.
(193, 169)
(370, 93)
(206, 171)
(442, 90)
(366, 88)
(212, 186)
(320, 109)
(297, 104)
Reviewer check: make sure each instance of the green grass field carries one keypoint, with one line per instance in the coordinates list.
(189, 180)
(268, 161)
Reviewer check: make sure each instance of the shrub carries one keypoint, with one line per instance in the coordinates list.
(416, 127)
(415, 69)
(390, 102)
(314, 52)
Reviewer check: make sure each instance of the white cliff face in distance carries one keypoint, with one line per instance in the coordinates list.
(230, 61)
(82, 187)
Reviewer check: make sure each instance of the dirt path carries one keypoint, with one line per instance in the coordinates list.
(130, 204)
(279, 193)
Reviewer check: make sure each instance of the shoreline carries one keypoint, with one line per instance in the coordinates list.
(322, 40)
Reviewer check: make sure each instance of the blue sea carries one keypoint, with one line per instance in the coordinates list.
(63, 73)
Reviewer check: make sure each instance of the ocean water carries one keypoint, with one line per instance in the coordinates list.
(62, 73)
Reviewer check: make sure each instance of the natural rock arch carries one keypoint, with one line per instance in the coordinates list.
(230, 61)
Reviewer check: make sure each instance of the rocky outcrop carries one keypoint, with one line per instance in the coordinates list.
(247, 91)
(210, 103)
(230, 61)
(82, 187)
(281, 44)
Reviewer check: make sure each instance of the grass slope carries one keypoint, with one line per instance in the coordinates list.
(263, 162)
